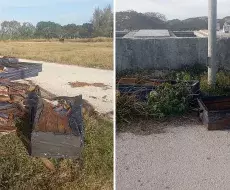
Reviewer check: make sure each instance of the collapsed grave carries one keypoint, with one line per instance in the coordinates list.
(213, 111)
(54, 125)
(11, 104)
(57, 127)
(142, 88)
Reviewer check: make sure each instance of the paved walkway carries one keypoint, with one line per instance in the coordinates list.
(55, 78)
(184, 157)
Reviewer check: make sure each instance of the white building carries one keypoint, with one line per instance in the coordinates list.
(226, 27)
(218, 26)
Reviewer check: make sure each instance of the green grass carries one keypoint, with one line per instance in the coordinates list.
(19, 171)
(93, 53)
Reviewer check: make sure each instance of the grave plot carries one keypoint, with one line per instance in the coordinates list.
(215, 111)
(57, 127)
(53, 126)
(141, 88)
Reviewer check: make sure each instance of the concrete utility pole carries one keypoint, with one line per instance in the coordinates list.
(212, 21)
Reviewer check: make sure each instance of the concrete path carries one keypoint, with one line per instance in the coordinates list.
(55, 78)
(184, 157)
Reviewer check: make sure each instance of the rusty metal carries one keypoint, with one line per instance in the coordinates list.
(13, 94)
(57, 127)
(215, 112)
(11, 104)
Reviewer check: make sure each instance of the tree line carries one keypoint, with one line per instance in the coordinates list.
(132, 20)
(101, 25)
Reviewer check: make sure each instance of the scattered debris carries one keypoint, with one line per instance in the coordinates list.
(94, 97)
(12, 107)
(13, 94)
(9, 60)
(48, 164)
(12, 69)
(56, 124)
(83, 84)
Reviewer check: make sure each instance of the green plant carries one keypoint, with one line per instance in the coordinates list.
(187, 73)
(169, 100)
(222, 87)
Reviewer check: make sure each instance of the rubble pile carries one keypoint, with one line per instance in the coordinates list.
(12, 104)
(12, 69)
(55, 124)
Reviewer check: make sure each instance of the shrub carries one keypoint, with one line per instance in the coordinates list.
(169, 100)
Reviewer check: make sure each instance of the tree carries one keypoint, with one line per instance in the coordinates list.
(49, 30)
(27, 30)
(156, 15)
(10, 29)
(71, 30)
(102, 21)
(100, 25)
(88, 27)
(133, 20)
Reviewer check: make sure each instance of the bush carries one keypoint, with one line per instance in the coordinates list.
(169, 100)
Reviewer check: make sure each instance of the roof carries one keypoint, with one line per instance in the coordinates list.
(151, 33)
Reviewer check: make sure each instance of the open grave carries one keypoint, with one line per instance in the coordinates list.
(48, 126)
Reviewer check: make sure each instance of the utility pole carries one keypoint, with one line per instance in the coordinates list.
(212, 21)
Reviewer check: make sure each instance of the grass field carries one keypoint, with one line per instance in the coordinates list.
(94, 53)
(19, 171)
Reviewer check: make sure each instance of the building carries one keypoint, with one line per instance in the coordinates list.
(218, 26)
(226, 27)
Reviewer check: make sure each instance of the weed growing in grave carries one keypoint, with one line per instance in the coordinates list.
(129, 107)
(169, 100)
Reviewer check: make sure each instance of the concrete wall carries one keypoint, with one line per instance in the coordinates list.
(167, 53)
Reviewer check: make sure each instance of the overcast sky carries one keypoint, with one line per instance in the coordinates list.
(180, 9)
(60, 11)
